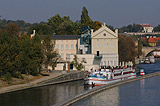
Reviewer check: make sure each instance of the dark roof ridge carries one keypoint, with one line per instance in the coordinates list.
(67, 37)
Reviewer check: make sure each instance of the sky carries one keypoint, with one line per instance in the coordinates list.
(117, 13)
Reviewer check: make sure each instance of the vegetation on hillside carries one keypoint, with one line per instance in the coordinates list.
(131, 28)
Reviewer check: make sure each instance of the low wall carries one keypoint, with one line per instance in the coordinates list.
(67, 77)
(64, 77)
(102, 88)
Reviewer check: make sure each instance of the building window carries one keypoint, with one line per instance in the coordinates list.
(111, 63)
(62, 47)
(110, 45)
(115, 63)
(72, 46)
(101, 63)
(57, 46)
(66, 46)
(105, 63)
(62, 55)
(104, 34)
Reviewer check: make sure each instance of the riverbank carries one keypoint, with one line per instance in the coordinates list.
(30, 81)
(55, 77)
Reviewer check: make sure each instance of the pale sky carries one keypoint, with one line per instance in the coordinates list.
(114, 12)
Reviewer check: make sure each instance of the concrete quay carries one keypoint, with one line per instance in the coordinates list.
(53, 78)
(102, 88)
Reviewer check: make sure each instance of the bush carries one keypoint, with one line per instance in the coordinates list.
(18, 75)
(6, 77)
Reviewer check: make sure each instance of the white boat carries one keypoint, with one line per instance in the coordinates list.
(152, 59)
(107, 76)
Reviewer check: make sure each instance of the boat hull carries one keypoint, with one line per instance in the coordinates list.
(97, 81)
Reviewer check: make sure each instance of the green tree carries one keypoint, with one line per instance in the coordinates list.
(50, 54)
(41, 29)
(13, 29)
(85, 17)
(131, 28)
(62, 25)
(9, 49)
(77, 63)
(157, 28)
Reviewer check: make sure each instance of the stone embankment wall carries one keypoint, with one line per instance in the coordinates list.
(67, 77)
(102, 88)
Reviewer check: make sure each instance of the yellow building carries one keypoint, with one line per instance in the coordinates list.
(104, 43)
(67, 44)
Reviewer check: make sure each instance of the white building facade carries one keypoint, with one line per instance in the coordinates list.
(147, 28)
(104, 49)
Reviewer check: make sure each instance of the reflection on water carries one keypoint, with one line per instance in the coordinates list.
(111, 97)
(150, 68)
(139, 93)
(43, 96)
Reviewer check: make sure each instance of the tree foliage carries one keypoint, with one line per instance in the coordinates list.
(126, 48)
(41, 29)
(50, 54)
(77, 63)
(19, 54)
(13, 29)
(157, 28)
(131, 28)
(62, 25)
(24, 26)
(85, 17)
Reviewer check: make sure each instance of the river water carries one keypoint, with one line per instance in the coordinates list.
(143, 93)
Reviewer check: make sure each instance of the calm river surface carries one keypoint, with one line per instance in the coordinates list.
(145, 92)
(140, 93)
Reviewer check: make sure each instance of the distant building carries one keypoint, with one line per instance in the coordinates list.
(147, 28)
(67, 44)
(153, 42)
(99, 48)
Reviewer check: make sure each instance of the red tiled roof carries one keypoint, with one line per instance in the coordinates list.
(151, 40)
(157, 38)
(146, 25)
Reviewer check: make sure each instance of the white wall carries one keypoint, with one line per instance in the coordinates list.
(92, 62)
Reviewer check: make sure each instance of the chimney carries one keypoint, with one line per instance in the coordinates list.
(116, 31)
(34, 32)
(91, 32)
(104, 24)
